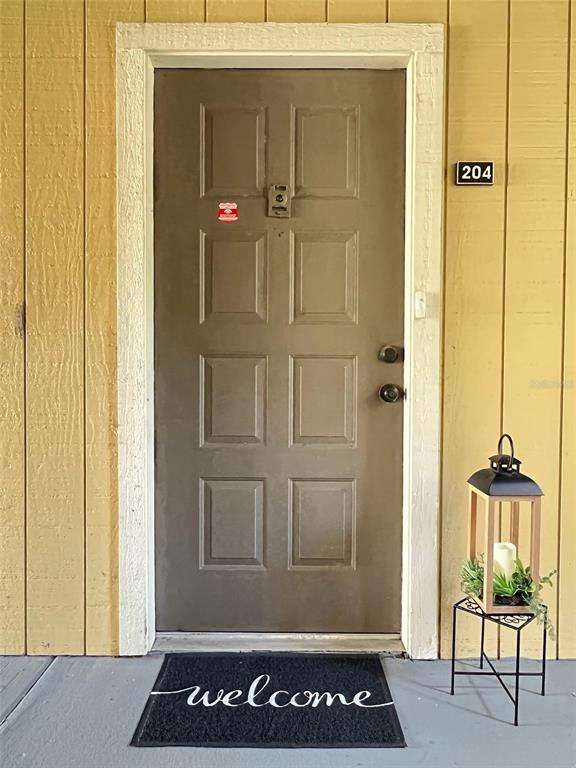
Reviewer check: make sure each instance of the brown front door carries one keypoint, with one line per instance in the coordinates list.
(278, 469)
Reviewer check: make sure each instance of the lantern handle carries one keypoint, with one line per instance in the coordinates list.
(502, 438)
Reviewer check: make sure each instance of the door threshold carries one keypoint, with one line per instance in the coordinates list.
(170, 642)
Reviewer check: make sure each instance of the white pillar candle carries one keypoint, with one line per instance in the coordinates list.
(504, 558)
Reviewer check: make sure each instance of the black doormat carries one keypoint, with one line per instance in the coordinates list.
(269, 700)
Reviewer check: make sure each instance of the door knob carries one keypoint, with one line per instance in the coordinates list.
(390, 393)
(391, 354)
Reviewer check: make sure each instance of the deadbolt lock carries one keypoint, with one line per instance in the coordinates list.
(391, 354)
(390, 393)
(279, 201)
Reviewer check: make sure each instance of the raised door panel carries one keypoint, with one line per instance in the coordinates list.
(324, 400)
(323, 517)
(326, 151)
(325, 277)
(233, 277)
(233, 399)
(232, 150)
(231, 523)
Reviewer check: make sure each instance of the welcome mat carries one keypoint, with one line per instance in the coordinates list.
(269, 700)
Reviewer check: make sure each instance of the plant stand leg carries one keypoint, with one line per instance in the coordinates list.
(453, 648)
(482, 643)
(517, 681)
(544, 637)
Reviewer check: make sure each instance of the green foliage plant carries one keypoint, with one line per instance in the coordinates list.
(518, 589)
(473, 577)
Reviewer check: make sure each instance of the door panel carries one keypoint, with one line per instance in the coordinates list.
(233, 146)
(233, 399)
(234, 277)
(231, 523)
(278, 470)
(323, 523)
(325, 269)
(324, 400)
(326, 132)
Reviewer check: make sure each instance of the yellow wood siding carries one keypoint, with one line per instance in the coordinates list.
(235, 10)
(363, 11)
(532, 354)
(567, 531)
(54, 179)
(174, 10)
(510, 290)
(296, 10)
(12, 426)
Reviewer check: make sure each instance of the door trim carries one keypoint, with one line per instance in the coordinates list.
(418, 48)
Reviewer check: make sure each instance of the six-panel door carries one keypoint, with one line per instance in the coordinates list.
(278, 469)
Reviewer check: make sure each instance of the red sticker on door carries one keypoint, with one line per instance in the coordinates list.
(227, 211)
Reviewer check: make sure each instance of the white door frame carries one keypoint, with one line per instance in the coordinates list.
(418, 48)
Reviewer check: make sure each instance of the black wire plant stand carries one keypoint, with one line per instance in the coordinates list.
(515, 622)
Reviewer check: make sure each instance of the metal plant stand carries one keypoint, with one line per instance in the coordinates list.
(514, 621)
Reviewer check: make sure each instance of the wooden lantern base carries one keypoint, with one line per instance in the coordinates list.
(497, 608)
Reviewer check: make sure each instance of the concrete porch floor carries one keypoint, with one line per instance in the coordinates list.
(70, 712)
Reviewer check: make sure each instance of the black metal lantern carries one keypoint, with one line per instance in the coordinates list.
(503, 476)
(503, 483)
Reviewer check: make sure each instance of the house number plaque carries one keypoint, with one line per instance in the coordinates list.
(475, 173)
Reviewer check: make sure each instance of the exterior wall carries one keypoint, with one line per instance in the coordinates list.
(510, 290)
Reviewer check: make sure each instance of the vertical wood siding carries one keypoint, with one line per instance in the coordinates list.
(174, 10)
(475, 247)
(510, 290)
(54, 182)
(235, 10)
(12, 425)
(363, 11)
(535, 231)
(567, 529)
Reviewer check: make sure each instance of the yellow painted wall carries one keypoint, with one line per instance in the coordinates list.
(510, 290)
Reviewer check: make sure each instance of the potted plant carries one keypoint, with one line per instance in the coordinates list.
(517, 589)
